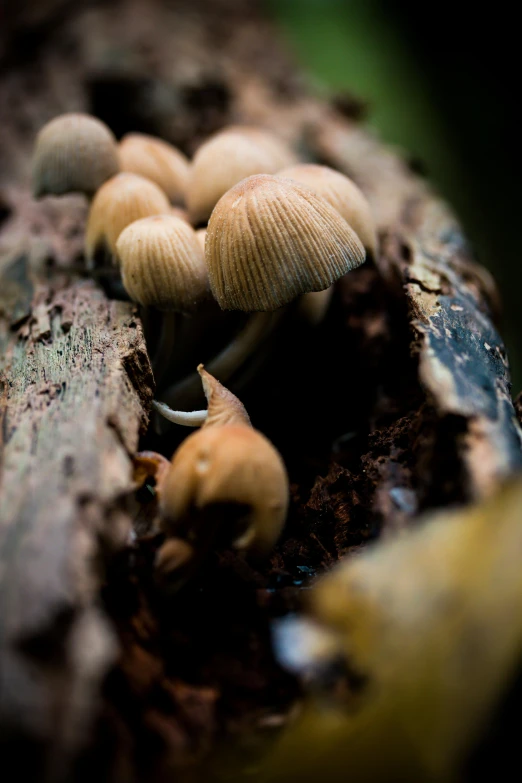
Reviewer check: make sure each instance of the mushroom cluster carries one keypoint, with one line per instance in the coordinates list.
(244, 224)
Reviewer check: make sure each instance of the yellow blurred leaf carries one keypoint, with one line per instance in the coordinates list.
(430, 625)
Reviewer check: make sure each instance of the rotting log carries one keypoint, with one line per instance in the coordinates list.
(408, 371)
(76, 384)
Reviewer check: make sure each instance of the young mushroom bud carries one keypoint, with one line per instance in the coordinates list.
(270, 239)
(342, 194)
(228, 157)
(158, 161)
(162, 263)
(73, 153)
(119, 202)
(227, 483)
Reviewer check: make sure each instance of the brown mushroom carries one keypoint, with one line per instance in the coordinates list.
(162, 266)
(73, 153)
(228, 157)
(342, 194)
(119, 202)
(158, 161)
(226, 483)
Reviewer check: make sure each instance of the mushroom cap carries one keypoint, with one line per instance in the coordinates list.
(230, 465)
(158, 161)
(342, 193)
(120, 201)
(201, 234)
(270, 239)
(162, 263)
(228, 157)
(73, 152)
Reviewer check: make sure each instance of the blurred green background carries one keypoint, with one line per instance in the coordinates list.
(443, 86)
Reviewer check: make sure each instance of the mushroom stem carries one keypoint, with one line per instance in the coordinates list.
(257, 329)
(185, 418)
(314, 305)
(165, 346)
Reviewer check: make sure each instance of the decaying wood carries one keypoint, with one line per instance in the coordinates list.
(409, 371)
(76, 381)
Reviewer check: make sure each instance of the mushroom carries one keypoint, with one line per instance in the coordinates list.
(73, 152)
(228, 157)
(120, 201)
(158, 161)
(226, 484)
(351, 203)
(268, 241)
(342, 194)
(162, 266)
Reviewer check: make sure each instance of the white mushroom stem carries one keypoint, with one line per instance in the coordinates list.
(185, 418)
(314, 305)
(257, 329)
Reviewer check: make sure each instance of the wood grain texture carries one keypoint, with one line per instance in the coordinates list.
(76, 382)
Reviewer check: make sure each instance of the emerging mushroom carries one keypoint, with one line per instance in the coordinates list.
(158, 161)
(343, 195)
(119, 202)
(227, 485)
(228, 157)
(73, 153)
(162, 266)
(268, 241)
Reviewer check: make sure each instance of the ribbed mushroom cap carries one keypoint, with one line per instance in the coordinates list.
(270, 239)
(73, 152)
(118, 203)
(342, 193)
(231, 466)
(228, 157)
(162, 263)
(158, 161)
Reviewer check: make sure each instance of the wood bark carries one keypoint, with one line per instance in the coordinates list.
(425, 420)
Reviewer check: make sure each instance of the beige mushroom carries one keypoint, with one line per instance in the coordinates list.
(343, 195)
(269, 240)
(162, 266)
(119, 202)
(73, 153)
(158, 161)
(228, 157)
